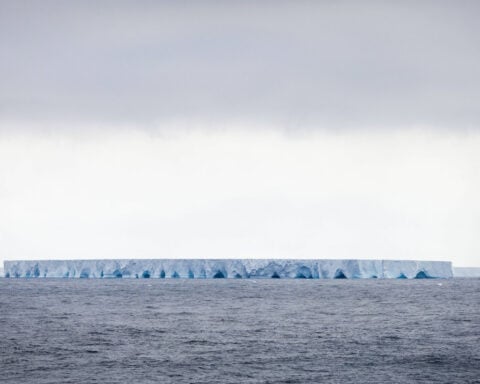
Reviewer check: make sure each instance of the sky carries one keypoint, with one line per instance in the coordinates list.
(247, 129)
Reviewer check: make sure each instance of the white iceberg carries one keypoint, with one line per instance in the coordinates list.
(470, 272)
(228, 268)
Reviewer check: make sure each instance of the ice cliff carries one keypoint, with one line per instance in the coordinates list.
(466, 272)
(228, 268)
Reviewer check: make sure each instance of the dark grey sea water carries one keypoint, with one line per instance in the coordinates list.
(239, 331)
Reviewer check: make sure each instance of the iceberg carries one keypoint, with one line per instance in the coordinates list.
(228, 268)
(470, 272)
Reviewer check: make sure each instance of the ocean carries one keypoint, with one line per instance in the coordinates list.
(239, 331)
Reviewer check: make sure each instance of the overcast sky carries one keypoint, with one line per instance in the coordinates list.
(301, 129)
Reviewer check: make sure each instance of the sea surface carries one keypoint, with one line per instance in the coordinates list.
(239, 331)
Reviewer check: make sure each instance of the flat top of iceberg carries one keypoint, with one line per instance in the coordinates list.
(229, 260)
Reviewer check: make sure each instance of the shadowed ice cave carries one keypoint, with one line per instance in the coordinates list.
(219, 275)
(118, 274)
(422, 275)
(339, 274)
(85, 273)
(304, 273)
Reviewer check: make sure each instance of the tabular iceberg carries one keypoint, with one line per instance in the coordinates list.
(471, 272)
(229, 268)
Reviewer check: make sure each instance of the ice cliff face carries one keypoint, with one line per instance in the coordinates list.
(228, 268)
(471, 272)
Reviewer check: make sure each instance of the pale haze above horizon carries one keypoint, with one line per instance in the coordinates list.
(252, 129)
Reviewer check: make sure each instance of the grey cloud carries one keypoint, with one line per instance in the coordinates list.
(312, 64)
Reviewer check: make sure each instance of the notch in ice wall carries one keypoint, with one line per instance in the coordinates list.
(229, 268)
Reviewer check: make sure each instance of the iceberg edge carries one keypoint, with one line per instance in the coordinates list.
(228, 268)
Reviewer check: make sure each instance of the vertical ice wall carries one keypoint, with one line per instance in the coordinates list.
(228, 268)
